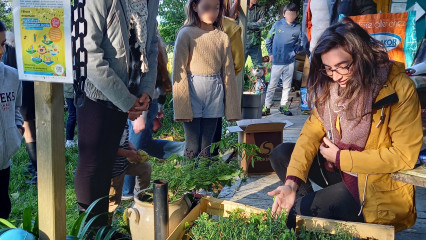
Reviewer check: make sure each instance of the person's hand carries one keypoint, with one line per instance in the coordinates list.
(135, 111)
(270, 58)
(260, 20)
(133, 156)
(160, 114)
(144, 101)
(138, 124)
(328, 150)
(284, 198)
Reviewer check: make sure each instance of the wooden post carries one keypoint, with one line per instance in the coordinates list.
(243, 24)
(49, 105)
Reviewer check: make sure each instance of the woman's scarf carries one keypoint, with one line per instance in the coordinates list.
(355, 126)
(137, 15)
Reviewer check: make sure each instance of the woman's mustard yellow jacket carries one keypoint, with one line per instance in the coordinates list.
(391, 146)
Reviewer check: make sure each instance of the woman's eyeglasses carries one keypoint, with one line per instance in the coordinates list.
(340, 70)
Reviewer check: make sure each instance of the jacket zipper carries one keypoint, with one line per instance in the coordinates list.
(363, 195)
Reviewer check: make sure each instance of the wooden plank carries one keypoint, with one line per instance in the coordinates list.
(416, 176)
(359, 230)
(212, 206)
(49, 105)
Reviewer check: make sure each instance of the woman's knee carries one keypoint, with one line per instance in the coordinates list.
(280, 156)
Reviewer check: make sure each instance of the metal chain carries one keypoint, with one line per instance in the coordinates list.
(79, 32)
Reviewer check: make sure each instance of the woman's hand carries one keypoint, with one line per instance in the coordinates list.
(328, 150)
(284, 197)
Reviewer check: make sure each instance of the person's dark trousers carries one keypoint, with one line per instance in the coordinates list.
(5, 206)
(199, 136)
(255, 52)
(334, 201)
(100, 129)
(217, 135)
(72, 119)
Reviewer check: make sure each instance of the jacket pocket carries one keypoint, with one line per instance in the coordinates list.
(12, 142)
(394, 201)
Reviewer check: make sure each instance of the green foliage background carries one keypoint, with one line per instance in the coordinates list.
(6, 13)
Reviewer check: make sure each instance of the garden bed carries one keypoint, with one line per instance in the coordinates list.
(307, 227)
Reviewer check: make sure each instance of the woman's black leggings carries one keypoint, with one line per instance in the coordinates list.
(99, 132)
(334, 201)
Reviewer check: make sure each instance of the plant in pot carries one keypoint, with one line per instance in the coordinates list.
(254, 94)
(184, 176)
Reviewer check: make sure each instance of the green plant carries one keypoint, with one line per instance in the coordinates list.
(28, 224)
(240, 225)
(82, 227)
(185, 175)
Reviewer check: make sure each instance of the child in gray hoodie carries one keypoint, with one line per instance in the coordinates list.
(11, 121)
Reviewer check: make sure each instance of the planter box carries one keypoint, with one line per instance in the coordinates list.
(223, 208)
(263, 133)
(358, 230)
(212, 206)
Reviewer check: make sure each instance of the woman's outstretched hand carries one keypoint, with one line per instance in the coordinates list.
(284, 197)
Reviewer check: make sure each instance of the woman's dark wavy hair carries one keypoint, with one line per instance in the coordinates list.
(367, 54)
(192, 18)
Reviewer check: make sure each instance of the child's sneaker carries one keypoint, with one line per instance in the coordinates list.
(284, 110)
(266, 111)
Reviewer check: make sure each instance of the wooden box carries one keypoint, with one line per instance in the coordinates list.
(358, 230)
(264, 134)
(212, 206)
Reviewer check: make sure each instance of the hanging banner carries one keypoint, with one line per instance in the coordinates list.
(395, 30)
(43, 40)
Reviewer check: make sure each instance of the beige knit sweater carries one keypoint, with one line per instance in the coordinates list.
(203, 52)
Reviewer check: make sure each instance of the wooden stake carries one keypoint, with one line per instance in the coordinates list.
(49, 105)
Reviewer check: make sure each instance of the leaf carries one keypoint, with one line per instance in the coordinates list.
(76, 226)
(26, 219)
(36, 231)
(6, 223)
(100, 233)
(70, 237)
(110, 233)
(88, 212)
(15, 195)
(88, 225)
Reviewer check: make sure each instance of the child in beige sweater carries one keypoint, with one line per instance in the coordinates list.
(204, 86)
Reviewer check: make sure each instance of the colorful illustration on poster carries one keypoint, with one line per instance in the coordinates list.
(43, 42)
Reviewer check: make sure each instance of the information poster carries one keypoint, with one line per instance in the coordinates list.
(43, 40)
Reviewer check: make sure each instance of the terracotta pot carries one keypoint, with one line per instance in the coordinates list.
(141, 216)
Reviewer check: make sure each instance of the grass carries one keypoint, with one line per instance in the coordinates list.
(25, 195)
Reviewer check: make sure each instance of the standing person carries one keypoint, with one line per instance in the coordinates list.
(318, 15)
(255, 24)
(141, 130)
(283, 43)
(233, 31)
(27, 109)
(111, 96)
(366, 125)
(11, 129)
(72, 116)
(204, 86)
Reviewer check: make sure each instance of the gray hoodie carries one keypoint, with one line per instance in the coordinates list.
(10, 117)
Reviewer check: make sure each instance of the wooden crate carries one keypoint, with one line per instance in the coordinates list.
(212, 206)
(358, 230)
